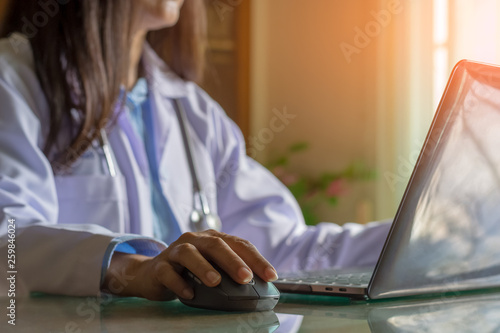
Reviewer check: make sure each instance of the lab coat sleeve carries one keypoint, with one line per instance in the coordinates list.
(255, 205)
(130, 244)
(49, 257)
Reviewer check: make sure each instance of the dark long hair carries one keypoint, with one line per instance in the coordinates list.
(81, 59)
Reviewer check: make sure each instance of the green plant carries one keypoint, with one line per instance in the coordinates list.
(310, 191)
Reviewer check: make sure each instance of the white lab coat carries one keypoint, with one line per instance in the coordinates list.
(64, 223)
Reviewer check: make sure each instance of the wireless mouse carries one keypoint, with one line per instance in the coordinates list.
(228, 295)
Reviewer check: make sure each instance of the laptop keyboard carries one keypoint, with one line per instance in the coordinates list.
(349, 279)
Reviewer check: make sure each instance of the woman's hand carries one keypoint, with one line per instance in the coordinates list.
(159, 278)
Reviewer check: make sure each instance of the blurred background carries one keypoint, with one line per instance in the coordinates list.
(362, 79)
(335, 97)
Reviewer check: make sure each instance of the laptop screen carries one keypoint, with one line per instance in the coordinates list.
(446, 235)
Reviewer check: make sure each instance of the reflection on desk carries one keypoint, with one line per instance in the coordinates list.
(470, 312)
(465, 312)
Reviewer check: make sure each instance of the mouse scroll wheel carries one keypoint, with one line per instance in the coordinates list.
(191, 275)
(251, 282)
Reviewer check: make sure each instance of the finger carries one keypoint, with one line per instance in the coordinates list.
(188, 256)
(230, 262)
(212, 246)
(232, 254)
(252, 257)
(168, 277)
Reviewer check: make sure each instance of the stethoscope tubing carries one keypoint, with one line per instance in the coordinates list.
(181, 118)
(197, 189)
(107, 153)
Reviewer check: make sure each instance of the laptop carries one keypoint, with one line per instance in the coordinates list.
(446, 233)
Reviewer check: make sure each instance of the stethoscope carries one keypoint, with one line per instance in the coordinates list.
(203, 218)
(200, 218)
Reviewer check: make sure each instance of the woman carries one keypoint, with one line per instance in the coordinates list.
(95, 173)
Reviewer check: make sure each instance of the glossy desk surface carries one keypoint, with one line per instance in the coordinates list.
(468, 312)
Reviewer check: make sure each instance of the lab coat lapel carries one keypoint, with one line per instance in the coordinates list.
(164, 87)
(137, 183)
(172, 164)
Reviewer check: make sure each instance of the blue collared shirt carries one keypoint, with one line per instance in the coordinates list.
(139, 111)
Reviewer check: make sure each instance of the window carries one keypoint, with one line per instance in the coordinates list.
(440, 49)
(422, 46)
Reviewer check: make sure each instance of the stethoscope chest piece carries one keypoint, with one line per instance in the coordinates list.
(213, 222)
(203, 219)
(202, 222)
